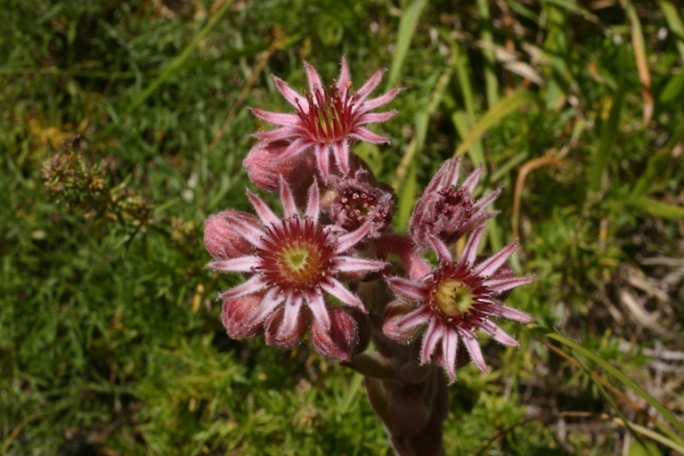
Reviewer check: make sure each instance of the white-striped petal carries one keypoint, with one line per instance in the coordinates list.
(336, 289)
(470, 341)
(263, 211)
(254, 284)
(408, 289)
(493, 263)
(240, 264)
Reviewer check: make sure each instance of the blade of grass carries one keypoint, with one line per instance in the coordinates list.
(675, 23)
(463, 126)
(540, 331)
(609, 130)
(673, 89)
(646, 432)
(407, 27)
(501, 109)
(352, 392)
(641, 61)
(407, 194)
(491, 82)
(658, 208)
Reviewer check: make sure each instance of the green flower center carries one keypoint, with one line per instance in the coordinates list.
(453, 298)
(299, 263)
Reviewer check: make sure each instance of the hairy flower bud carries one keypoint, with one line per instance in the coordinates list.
(340, 340)
(265, 168)
(221, 236)
(234, 315)
(286, 335)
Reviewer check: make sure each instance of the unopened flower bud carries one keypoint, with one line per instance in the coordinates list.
(222, 237)
(265, 168)
(340, 340)
(234, 316)
(281, 332)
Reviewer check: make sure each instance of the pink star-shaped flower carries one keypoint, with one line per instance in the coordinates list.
(454, 300)
(327, 118)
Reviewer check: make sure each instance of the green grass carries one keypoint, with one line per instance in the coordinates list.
(110, 336)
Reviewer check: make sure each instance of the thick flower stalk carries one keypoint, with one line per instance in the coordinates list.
(453, 301)
(327, 119)
(294, 267)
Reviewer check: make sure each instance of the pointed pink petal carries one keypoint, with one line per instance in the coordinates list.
(441, 250)
(471, 181)
(473, 347)
(502, 311)
(336, 289)
(291, 316)
(351, 264)
(379, 101)
(313, 205)
(272, 299)
(322, 160)
(493, 263)
(343, 79)
(241, 264)
(285, 120)
(263, 211)
(286, 197)
(252, 233)
(341, 152)
(367, 88)
(469, 253)
(408, 289)
(446, 175)
(290, 94)
(317, 305)
(347, 241)
(487, 200)
(365, 134)
(277, 134)
(315, 83)
(498, 334)
(420, 316)
(375, 117)
(500, 285)
(433, 335)
(451, 178)
(254, 284)
(297, 147)
(449, 347)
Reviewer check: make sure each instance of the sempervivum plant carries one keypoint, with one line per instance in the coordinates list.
(333, 267)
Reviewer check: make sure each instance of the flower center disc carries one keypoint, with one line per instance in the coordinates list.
(296, 255)
(329, 118)
(299, 263)
(453, 298)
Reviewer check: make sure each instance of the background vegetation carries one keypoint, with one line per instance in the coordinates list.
(123, 124)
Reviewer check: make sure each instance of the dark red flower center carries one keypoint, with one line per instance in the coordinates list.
(455, 203)
(297, 255)
(329, 117)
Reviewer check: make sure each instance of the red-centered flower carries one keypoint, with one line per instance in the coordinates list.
(454, 300)
(295, 264)
(328, 118)
(446, 211)
(356, 202)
